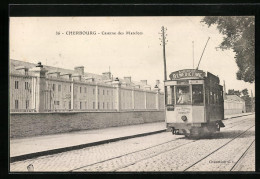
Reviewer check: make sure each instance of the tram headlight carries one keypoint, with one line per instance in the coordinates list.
(184, 118)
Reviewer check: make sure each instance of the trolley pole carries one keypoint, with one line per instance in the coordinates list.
(202, 54)
(163, 43)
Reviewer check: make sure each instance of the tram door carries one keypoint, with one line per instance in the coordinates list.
(215, 103)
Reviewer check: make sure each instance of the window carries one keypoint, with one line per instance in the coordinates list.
(70, 88)
(16, 104)
(197, 94)
(183, 95)
(98, 105)
(103, 92)
(26, 85)
(53, 87)
(86, 105)
(80, 105)
(27, 104)
(170, 95)
(79, 89)
(69, 104)
(16, 84)
(93, 90)
(103, 105)
(85, 90)
(107, 92)
(56, 102)
(93, 105)
(107, 105)
(211, 98)
(59, 88)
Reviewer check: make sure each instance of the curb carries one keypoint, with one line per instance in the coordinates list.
(238, 116)
(76, 147)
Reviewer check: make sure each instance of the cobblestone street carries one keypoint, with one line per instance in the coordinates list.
(231, 149)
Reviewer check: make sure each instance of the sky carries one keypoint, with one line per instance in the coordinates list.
(34, 39)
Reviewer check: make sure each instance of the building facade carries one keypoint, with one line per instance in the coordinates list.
(233, 104)
(37, 88)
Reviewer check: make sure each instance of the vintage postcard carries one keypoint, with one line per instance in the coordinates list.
(132, 94)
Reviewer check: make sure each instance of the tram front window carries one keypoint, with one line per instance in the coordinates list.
(170, 98)
(170, 95)
(197, 94)
(183, 94)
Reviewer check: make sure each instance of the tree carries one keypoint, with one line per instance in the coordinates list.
(239, 35)
(233, 92)
(245, 92)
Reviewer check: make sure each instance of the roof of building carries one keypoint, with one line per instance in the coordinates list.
(234, 98)
(99, 78)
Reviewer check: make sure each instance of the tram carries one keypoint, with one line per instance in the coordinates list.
(194, 103)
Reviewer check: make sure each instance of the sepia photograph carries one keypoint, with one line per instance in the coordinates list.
(132, 94)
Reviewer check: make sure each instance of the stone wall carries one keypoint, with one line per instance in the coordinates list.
(35, 124)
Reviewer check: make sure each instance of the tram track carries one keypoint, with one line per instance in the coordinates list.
(219, 149)
(128, 154)
(193, 141)
(149, 156)
(242, 156)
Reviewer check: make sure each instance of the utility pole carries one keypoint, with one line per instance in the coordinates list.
(192, 54)
(163, 43)
(224, 91)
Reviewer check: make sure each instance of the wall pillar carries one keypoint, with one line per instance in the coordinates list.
(96, 99)
(117, 84)
(33, 88)
(40, 87)
(145, 100)
(133, 98)
(72, 95)
(157, 97)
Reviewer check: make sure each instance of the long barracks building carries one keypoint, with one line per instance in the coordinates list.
(37, 88)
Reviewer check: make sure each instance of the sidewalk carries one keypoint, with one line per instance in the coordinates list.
(26, 148)
(36, 144)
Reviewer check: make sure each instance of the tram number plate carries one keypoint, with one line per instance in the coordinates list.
(195, 81)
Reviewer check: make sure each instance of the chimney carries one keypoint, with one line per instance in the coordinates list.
(23, 69)
(106, 75)
(79, 70)
(127, 79)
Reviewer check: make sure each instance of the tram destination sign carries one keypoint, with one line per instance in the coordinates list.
(187, 73)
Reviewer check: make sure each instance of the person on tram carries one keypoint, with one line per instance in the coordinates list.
(183, 97)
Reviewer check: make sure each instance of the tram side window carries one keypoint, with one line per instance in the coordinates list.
(197, 94)
(211, 98)
(170, 95)
(183, 95)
